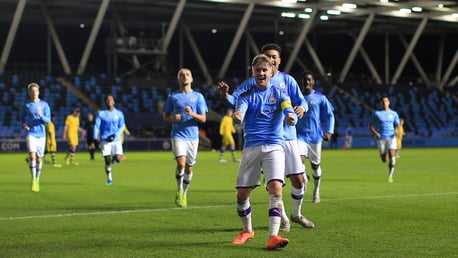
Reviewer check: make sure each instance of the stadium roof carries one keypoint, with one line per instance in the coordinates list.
(293, 23)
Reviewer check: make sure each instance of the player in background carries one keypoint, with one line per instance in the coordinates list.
(294, 168)
(226, 129)
(264, 110)
(71, 129)
(185, 108)
(51, 144)
(400, 133)
(383, 125)
(35, 115)
(109, 124)
(124, 132)
(316, 125)
(348, 137)
(91, 141)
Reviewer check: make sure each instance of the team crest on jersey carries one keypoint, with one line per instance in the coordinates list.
(282, 85)
(312, 102)
(192, 100)
(272, 100)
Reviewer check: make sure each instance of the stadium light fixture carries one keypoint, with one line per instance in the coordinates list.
(303, 16)
(405, 10)
(288, 15)
(348, 5)
(333, 12)
(308, 10)
(417, 9)
(324, 17)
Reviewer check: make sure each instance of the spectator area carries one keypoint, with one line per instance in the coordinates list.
(428, 112)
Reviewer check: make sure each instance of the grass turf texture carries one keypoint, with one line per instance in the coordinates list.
(360, 215)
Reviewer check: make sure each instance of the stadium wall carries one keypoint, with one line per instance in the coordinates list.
(370, 142)
(164, 144)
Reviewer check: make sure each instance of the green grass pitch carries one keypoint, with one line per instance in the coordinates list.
(360, 215)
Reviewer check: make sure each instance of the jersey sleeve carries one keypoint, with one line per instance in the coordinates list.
(244, 87)
(297, 98)
(327, 111)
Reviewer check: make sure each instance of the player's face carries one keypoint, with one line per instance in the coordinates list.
(109, 101)
(307, 84)
(262, 72)
(385, 102)
(275, 58)
(34, 92)
(185, 77)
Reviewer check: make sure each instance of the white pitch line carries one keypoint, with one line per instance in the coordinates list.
(393, 196)
(107, 212)
(207, 207)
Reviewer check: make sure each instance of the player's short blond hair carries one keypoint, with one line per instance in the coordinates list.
(261, 59)
(182, 70)
(33, 84)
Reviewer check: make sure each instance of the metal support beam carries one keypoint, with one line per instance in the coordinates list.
(409, 51)
(417, 64)
(300, 39)
(315, 58)
(173, 25)
(440, 60)
(449, 71)
(197, 54)
(453, 82)
(93, 36)
(356, 46)
(12, 33)
(56, 41)
(370, 65)
(236, 40)
(387, 58)
(301, 63)
(250, 44)
(119, 26)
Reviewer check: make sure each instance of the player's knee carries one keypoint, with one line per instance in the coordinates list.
(297, 181)
(315, 166)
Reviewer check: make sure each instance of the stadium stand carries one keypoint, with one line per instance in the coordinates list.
(429, 113)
